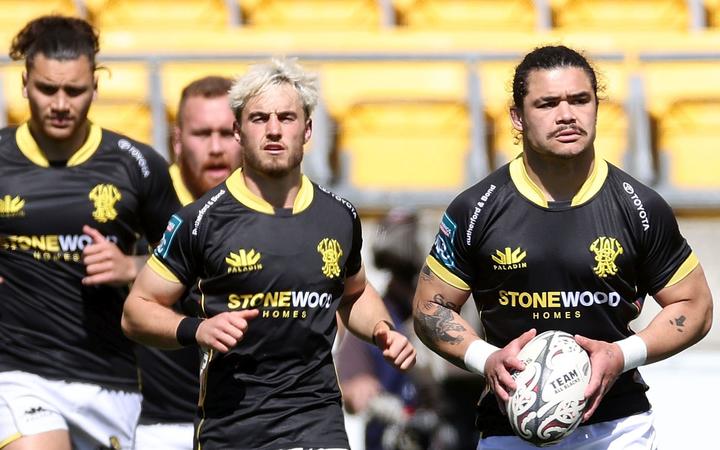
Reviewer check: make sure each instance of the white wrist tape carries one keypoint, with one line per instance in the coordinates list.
(477, 354)
(634, 352)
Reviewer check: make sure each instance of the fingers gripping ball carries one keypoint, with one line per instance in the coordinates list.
(548, 403)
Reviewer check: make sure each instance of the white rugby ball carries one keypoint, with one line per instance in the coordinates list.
(548, 403)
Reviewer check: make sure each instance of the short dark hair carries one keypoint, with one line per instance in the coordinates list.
(57, 37)
(212, 86)
(546, 58)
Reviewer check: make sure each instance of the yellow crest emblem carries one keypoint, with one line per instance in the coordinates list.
(11, 206)
(331, 253)
(104, 197)
(606, 250)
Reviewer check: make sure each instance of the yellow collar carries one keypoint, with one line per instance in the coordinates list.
(181, 189)
(532, 192)
(27, 145)
(236, 186)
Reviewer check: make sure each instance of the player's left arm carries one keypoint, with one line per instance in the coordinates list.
(364, 314)
(685, 318)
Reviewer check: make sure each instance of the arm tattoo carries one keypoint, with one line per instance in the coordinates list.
(678, 323)
(425, 272)
(440, 300)
(437, 326)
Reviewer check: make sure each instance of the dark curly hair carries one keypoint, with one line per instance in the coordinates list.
(56, 37)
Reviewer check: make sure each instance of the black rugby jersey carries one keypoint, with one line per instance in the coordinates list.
(50, 324)
(278, 388)
(170, 378)
(584, 267)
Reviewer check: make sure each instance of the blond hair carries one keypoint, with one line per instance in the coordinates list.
(272, 73)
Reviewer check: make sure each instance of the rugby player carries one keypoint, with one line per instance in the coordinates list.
(560, 239)
(276, 256)
(206, 152)
(75, 199)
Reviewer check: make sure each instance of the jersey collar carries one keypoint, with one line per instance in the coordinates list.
(181, 189)
(27, 145)
(532, 192)
(236, 186)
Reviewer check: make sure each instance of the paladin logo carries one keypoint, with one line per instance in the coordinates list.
(509, 259)
(606, 251)
(243, 261)
(104, 197)
(331, 253)
(11, 206)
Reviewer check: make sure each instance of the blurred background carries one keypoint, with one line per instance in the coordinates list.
(414, 108)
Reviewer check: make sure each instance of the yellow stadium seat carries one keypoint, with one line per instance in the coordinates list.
(15, 103)
(186, 15)
(345, 83)
(131, 119)
(16, 13)
(611, 142)
(123, 81)
(500, 15)
(312, 14)
(176, 75)
(406, 146)
(687, 139)
(620, 15)
(712, 11)
(683, 100)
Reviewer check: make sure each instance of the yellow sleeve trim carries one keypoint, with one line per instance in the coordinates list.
(159, 268)
(441, 272)
(10, 439)
(690, 263)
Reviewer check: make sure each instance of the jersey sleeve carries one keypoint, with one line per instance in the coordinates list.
(667, 256)
(159, 200)
(175, 258)
(449, 256)
(354, 261)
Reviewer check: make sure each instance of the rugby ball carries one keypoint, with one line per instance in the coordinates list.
(548, 403)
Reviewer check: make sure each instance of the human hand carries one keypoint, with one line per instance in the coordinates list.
(501, 363)
(224, 331)
(395, 347)
(606, 361)
(359, 391)
(105, 263)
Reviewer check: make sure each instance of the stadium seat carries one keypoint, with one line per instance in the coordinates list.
(16, 106)
(500, 15)
(187, 15)
(620, 15)
(312, 14)
(687, 139)
(712, 13)
(123, 81)
(16, 13)
(611, 141)
(683, 100)
(176, 75)
(131, 119)
(407, 146)
(345, 83)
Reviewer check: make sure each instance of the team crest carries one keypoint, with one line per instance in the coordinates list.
(11, 206)
(331, 253)
(104, 197)
(606, 251)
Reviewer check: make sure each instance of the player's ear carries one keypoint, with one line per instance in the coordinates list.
(308, 130)
(24, 82)
(516, 118)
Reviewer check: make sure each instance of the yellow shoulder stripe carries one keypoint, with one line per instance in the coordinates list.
(159, 268)
(441, 272)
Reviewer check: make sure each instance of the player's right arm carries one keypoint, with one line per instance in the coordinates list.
(148, 317)
(439, 325)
